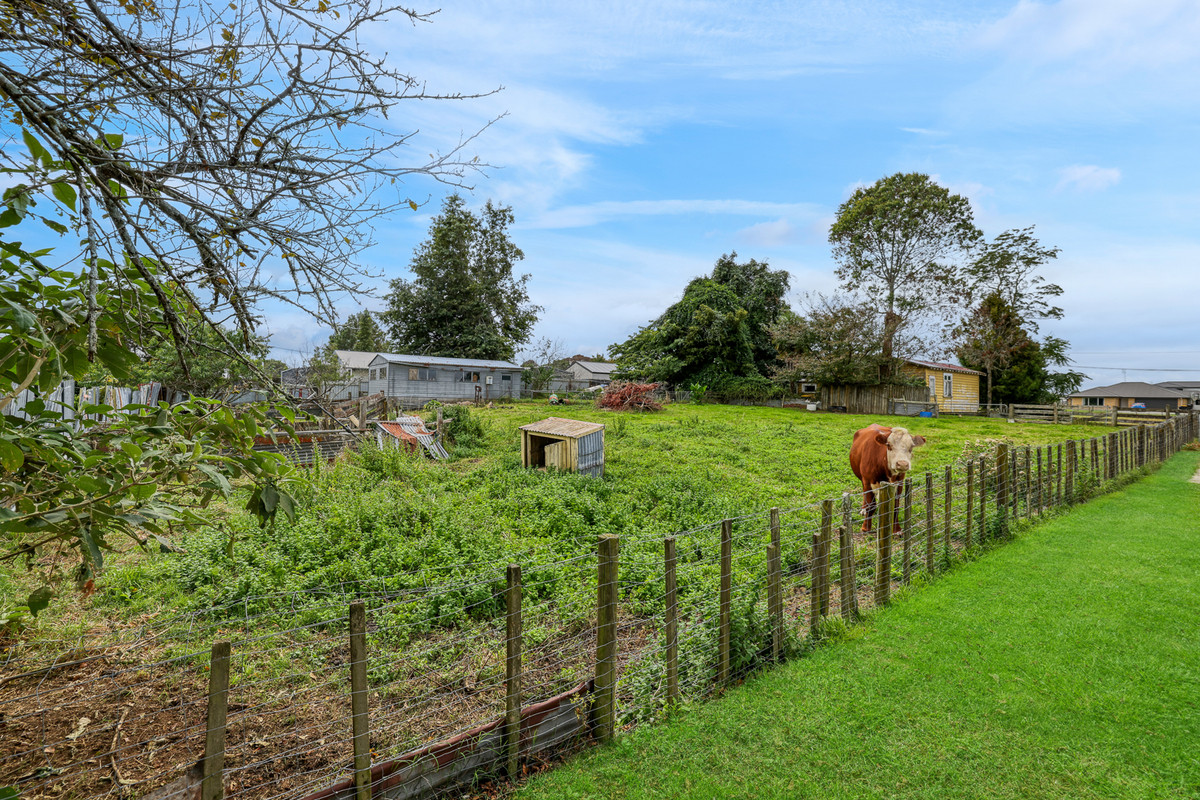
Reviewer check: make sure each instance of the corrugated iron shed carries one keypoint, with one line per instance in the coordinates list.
(567, 444)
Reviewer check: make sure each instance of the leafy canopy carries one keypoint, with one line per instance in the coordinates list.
(717, 335)
(898, 243)
(463, 300)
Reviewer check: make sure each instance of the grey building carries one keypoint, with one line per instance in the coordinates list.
(585, 374)
(1189, 389)
(418, 379)
(1131, 394)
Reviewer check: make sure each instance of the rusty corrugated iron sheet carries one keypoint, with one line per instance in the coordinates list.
(431, 770)
(411, 433)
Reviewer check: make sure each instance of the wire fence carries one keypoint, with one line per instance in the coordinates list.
(362, 691)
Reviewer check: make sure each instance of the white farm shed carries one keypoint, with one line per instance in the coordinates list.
(417, 379)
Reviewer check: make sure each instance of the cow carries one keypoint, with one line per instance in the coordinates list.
(881, 455)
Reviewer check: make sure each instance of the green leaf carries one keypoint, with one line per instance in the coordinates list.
(64, 193)
(25, 320)
(132, 450)
(9, 793)
(35, 148)
(39, 599)
(11, 456)
(93, 551)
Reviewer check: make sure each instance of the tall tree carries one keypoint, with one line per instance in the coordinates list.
(359, 332)
(837, 340)
(464, 300)
(704, 338)
(1008, 268)
(898, 242)
(761, 290)
(989, 337)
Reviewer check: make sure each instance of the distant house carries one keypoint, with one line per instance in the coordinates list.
(350, 384)
(1129, 395)
(954, 388)
(1190, 389)
(586, 374)
(418, 378)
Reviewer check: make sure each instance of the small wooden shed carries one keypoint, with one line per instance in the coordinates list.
(566, 444)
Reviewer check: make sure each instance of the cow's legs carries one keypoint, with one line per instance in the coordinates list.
(869, 507)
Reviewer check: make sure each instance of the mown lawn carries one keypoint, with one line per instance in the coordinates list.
(1063, 665)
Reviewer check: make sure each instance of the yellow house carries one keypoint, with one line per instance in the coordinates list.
(953, 388)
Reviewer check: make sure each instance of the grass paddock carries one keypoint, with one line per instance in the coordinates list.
(1065, 664)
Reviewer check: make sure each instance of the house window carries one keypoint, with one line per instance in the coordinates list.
(808, 388)
(1093, 401)
(382, 373)
(421, 374)
(372, 374)
(467, 376)
(933, 385)
(948, 384)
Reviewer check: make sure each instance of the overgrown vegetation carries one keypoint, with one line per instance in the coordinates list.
(386, 520)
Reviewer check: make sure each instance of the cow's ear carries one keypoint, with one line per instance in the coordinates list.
(918, 441)
(882, 436)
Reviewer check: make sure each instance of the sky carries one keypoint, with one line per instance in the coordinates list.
(641, 141)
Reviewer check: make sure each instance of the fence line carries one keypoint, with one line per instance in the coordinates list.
(444, 697)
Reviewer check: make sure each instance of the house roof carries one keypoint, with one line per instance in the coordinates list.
(557, 426)
(436, 361)
(1180, 386)
(355, 359)
(598, 367)
(1134, 389)
(943, 367)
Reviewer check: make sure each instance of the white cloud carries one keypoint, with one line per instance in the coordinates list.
(768, 234)
(1088, 177)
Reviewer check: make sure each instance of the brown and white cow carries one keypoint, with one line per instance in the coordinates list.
(881, 455)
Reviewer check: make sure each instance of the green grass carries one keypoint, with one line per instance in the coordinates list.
(1063, 665)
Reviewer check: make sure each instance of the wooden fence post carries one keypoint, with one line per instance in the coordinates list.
(929, 522)
(775, 587)
(885, 507)
(672, 621)
(1058, 476)
(849, 570)
(1069, 481)
(982, 499)
(212, 785)
(970, 503)
(1041, 484)
(512, 673)
(358, 701)
(1096, 461)
(906, 530)
(1028, 483)
(1002, 483)
(725, 631)
(819, 601)
(605, 708)
(949, 518)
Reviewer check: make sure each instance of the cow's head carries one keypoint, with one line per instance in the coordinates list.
(900, 444)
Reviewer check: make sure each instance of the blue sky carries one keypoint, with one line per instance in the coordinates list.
(643, 140)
